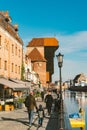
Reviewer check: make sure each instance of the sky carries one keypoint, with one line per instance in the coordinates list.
(66, 20)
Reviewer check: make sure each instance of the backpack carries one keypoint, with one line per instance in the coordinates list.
(27, 102)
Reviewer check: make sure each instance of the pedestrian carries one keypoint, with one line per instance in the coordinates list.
(49, 101)
(40, 115)
(58, 95)
(30, 103)
(42, 95)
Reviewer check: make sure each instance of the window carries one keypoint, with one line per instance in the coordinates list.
(15, 68)
(16, 50)
(12, 67)
(0, 63)
(19, 52)
(6, 44)
(12, 48)
(5, 65)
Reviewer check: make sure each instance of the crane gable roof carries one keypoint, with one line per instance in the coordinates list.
(35, 55)
(43, 42)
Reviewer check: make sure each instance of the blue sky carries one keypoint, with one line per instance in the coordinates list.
(65, 20)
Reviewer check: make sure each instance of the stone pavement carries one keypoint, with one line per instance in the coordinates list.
(18, 120)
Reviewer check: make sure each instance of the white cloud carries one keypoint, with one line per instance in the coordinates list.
(73, 42)
(74, 48)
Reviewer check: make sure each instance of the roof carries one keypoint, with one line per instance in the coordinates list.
(77, 76)
(5, 22)
(43, 42)
(35, 55)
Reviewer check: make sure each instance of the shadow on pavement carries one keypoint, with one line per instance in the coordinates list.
(17, 120)
(21, 121)
(53, 122)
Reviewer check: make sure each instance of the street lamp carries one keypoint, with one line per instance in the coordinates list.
(60, 62)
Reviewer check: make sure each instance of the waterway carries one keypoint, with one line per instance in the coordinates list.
(74, 101)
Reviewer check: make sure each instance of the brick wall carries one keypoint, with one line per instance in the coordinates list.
(10, 57)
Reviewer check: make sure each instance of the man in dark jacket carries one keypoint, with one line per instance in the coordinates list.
(49, 101)
(30, 104)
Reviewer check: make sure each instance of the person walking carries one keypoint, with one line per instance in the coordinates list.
(49, 101)
(30, 103)
(40, 115)
(42, 95)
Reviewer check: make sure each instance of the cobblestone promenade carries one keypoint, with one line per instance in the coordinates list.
(18, 120)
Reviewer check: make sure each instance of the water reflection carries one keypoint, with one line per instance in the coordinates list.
(74, 101)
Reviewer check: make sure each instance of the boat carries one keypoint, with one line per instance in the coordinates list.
(78, 88)
(77, 120)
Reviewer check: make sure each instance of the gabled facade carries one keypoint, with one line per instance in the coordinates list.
(11, 48)
(30, 75)
(41, 52)
(80, 80)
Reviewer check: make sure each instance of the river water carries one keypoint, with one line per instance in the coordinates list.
(74, 101)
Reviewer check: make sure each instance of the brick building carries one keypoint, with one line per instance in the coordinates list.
(41, 52)
(11, 53)
(11, 47)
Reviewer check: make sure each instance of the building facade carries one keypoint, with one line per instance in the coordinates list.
(80, 80)
(41, 52)
(11, 48)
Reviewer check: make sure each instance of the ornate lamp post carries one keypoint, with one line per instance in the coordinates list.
(60, 62)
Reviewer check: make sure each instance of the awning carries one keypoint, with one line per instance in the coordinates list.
(13, 85)
(26, 84)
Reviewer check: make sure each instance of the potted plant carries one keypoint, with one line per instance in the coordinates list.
(20, 102)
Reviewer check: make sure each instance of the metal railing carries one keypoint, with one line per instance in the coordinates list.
(67, 125)
(63, 118)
